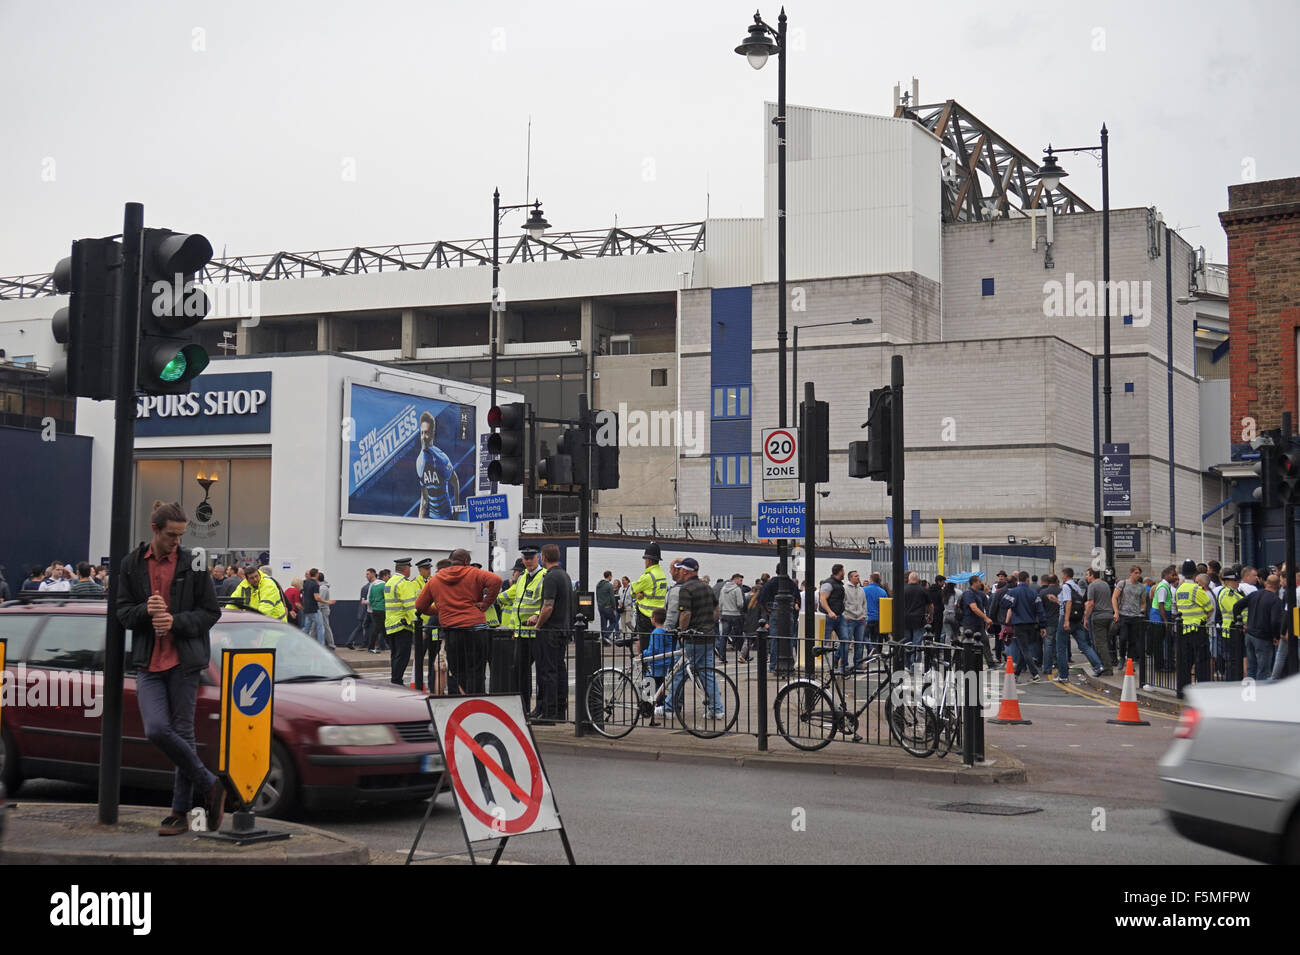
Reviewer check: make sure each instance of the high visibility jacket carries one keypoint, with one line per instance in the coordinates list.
(530, 600)
(266, 599)
(650, 589)
(399, 603)
(1227, 600)
(1194, 604)
(507, 600)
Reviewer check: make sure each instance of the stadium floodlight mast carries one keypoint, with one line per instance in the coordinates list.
(536, 226)
(1050, 175)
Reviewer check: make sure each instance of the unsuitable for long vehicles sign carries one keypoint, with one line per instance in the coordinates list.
(247, 693)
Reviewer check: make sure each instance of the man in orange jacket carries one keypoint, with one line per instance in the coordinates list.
(462, 593)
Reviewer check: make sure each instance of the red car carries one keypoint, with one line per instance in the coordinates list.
(338, 739)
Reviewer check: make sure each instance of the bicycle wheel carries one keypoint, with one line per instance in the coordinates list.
(806, 717)
(613, 704)
(696, 712)
(913, 724)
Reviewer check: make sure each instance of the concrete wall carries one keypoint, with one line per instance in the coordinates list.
(646, 470)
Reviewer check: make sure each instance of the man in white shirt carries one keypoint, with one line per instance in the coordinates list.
(56, 580)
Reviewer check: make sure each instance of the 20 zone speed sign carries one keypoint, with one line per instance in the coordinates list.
(780, 454)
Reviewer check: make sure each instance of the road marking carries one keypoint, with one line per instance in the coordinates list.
(1078, 691)
(1127, 745)
(1075, 745)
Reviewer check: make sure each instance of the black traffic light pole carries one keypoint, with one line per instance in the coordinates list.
(811, 589)
(126, 322)
(896, 486)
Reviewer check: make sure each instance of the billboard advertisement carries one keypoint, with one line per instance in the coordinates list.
(409, 456)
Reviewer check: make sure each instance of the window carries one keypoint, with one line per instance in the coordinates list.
(731, 470)
(71, 642)
(16, 628)
(987, 286)
(731, 401)
(658, 377)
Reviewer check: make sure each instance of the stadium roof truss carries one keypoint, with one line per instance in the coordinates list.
(984, 176)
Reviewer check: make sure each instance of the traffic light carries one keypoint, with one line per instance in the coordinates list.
(606, 451)
(573, 445)
(508, 442)
(1266, 469)
(171, 304)
(880, 434)
(859, 456)
(816, 442)
(1288, 476)
(555, 469)
(86, 324)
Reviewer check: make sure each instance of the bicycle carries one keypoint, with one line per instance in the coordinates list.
(821, 707)
(616, 702)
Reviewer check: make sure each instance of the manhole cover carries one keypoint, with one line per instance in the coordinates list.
(989, 809)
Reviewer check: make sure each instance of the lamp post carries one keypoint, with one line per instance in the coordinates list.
(852, 321)
(536, 227)
(1050, 175)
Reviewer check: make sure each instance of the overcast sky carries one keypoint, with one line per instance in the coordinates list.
(323, 124)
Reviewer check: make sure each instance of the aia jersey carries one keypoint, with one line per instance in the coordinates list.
(434, 470)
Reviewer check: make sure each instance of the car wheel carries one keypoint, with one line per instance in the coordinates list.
(279, 793)
(9, 774)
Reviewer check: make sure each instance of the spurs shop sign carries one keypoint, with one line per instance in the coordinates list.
(218, 404)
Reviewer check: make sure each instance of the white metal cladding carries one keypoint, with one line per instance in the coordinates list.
(528, 281)
(734, 256)
(862, 196)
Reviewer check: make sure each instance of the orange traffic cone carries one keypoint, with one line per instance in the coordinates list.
(1128, 700)
(1009, 712)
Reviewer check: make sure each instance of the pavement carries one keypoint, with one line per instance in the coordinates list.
(61, 834)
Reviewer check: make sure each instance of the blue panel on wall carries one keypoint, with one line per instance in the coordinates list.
(45, 500)
(730, 363)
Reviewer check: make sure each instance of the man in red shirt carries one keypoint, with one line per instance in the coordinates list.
(462, 593)
(167, 599)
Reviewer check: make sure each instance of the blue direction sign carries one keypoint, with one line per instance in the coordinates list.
(1128, 540)
(487, 507)
(252, 689)
(780, 519)
(1116, 481)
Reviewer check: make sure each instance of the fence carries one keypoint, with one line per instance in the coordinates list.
(808, 693)
(1169, 658)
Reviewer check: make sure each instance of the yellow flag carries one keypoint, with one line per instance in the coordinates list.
(941, 546)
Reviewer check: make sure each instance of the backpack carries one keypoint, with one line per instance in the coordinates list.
(1078, 602)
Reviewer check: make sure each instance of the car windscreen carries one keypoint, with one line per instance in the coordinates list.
(297, 657)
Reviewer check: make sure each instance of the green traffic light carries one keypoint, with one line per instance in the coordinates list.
(174, 370)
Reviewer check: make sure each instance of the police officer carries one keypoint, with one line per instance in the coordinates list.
(1231, 645)
(650, 590)
(399, 616)
(260, 593)
(1194, 607)
(421, 630)
(528, 603)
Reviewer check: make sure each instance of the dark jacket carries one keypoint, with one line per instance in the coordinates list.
(1026, 606)
(193, 602)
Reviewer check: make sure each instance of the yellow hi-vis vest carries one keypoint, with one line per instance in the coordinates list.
(651, 589)
(1228, 600)
(265, 600)
(530, 600)
(1194, 604)
(507, 600)
(399, 604)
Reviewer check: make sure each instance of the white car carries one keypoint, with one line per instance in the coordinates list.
(1231, 780)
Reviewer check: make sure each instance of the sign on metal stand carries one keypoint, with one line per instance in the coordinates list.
(244, 754)
(497, 779)
(780, 464)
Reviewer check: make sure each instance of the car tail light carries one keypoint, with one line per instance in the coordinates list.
(1187, 723)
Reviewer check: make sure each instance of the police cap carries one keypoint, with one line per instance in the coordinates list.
(401, 562)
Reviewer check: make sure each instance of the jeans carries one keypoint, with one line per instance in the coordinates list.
(915, 636)
(836, 630)
(377, 639)
(166, 702)
(1025, 647)
(1084, 642)
(608, 621)
(325, 625)
(1049, 648)
(314, 627)
(728, 627)
(1259, 658)
(1279, 659)
(698, 653)
(854, 635)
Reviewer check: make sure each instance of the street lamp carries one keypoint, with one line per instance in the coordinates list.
(795, 396)
(1050, 175)
(536, 227)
